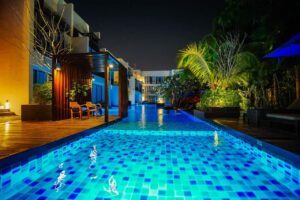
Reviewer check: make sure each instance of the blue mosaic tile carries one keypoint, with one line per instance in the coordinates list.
(40, 191)
(156, 163)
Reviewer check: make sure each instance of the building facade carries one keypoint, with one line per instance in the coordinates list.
(153, 79)
(78, 38)
(18, 20)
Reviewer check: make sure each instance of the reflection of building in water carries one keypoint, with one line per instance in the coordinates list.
(143, 117)
(216, 138)
(152, 80)
(160, 113)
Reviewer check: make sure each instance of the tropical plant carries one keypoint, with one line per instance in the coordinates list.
(219, 63)
(176, 88)
(77, 89)
(219, 98)
(42, 93)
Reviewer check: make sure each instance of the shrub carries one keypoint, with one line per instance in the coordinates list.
(219, 98)
(42, 93)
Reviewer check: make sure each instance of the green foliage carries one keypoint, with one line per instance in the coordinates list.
(42, 93)
(261, 21)
(176, 87)
(219, 98)
(266, 31)
(77, 89)
(218, 62)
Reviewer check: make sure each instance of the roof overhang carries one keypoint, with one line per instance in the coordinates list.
(95, 61)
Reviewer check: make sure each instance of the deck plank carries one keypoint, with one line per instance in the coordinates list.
(17, 136)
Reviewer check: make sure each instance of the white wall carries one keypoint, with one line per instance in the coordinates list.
(157, 73)
(132, 90)
(80, 44)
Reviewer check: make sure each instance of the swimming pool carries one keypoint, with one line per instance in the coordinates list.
(154, 154)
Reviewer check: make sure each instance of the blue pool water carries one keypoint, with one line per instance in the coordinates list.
(154, 154)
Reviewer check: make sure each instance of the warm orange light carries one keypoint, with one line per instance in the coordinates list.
(7, 105)
(160, 100)
(58, 68)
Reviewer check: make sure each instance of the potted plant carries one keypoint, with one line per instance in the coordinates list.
(77, 90)
(41, 108)
(219, 103)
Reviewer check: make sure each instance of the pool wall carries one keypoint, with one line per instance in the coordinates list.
(282, 163)
(36, 160)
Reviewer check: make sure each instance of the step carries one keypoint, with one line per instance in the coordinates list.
(7, 114)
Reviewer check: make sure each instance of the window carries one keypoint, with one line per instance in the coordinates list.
(97, 93)
(39, 77)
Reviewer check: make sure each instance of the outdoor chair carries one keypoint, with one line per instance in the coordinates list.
(99, 108)
(92, 108)
(77, 109)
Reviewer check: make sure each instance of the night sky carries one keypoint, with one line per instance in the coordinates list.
(148, 34)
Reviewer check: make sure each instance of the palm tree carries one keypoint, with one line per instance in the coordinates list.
(218, 63)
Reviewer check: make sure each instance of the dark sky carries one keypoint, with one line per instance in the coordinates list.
(148, 34)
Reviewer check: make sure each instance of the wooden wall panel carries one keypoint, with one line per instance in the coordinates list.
(62, 83)
(123, 92)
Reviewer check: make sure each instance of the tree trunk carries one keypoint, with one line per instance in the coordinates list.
(297, 71)
(275, 91)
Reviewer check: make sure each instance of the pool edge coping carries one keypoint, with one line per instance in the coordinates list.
(276, 151)
(35, 152)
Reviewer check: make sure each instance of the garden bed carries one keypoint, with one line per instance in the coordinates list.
(36, 112)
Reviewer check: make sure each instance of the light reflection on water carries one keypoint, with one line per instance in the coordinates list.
(149, 117)
(140, 164)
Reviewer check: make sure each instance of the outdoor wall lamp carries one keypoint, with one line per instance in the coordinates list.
(111, 66)
(57, 65)
(7, 105)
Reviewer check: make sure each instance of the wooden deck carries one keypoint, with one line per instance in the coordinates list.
(273, 135)
(17, 136)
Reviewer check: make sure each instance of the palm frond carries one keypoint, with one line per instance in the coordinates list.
(193, 57)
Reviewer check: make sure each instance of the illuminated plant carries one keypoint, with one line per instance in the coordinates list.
(76, 90)
(219, 63)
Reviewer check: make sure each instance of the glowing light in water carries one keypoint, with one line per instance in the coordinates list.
(61, 165)
(93, 156)
(216, 138)
(94, 152)
(59, 183)
(112, 186)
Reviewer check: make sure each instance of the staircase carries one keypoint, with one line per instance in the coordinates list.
(6, 112)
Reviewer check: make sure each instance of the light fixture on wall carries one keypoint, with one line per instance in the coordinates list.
(93, 78)
(111, 66)
(7, 105)
(57, 65)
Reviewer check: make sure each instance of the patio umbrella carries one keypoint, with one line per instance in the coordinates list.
(289, 49)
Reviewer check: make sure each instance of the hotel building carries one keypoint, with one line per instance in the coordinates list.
(153, 79)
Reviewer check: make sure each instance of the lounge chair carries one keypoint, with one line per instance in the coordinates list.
(77, 109)
(281, 117)
(92, 108)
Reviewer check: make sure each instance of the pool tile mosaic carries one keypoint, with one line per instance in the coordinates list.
(153, 163)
